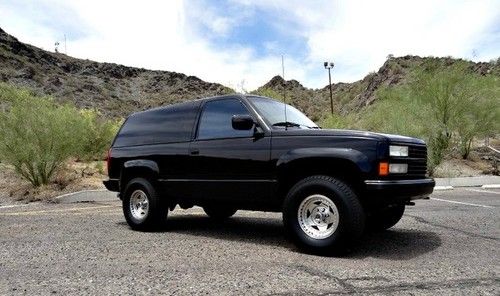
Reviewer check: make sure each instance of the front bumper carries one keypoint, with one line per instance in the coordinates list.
(112, 185)
(400, 190)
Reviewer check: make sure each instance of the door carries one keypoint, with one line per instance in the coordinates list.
(229, 164)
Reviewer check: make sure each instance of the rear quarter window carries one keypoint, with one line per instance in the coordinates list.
(159, 126)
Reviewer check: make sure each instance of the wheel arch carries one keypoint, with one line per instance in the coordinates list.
(143, 168)
(349, 165)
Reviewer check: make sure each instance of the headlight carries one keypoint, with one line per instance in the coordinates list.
(398, 150)
(398, 168)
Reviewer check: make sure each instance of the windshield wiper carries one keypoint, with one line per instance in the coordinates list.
(286, 124)
(294, 124)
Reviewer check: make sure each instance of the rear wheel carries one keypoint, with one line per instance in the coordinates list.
(323, 214)
(385, 218)
(218, 212)
(142, 207)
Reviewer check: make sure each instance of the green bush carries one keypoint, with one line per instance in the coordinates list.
(96, 134)
(268, 92)
(338, 121)
(37, 135)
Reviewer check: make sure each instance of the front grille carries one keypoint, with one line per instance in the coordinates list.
(417, 168)
(417, 152)
(417, 162)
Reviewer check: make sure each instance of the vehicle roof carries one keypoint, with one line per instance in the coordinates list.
(234, 95)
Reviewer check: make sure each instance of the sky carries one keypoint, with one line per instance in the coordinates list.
(239, 43)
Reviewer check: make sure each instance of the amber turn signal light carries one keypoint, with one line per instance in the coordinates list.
(383, 169)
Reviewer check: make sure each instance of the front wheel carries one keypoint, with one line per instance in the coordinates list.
(323, 214)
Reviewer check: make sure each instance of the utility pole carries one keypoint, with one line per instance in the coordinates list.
(329, 66)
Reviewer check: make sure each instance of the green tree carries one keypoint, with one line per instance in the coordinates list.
(462, 106)
(481, 118)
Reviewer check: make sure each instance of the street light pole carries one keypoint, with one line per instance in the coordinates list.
(329, 66)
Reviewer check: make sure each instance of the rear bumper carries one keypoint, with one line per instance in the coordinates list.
(112, 185)
(400, 190)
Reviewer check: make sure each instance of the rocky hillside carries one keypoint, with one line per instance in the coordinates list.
(114, 89)
(351, 97)
(117, 90)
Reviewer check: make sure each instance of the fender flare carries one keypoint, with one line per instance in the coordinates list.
(142, 164)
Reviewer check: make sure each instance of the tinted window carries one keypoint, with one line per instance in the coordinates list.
(216, 118)
(161, 125)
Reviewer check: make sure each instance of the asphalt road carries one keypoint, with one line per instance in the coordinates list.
(447, 245)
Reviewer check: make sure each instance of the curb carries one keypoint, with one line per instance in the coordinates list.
(488, 186)
(437, 188)
(93, 195)
(78, 192)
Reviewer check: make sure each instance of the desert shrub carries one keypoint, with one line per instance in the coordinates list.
(338, 121)
(481, 117)
(270, 93)
(95, 133)
(461, 105)
(37, 135)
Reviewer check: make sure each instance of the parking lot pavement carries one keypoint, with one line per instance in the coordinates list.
(446, 245)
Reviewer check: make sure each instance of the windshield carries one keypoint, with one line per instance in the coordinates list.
(274, 114)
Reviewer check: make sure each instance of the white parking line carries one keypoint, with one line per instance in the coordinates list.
(483, 191)
(462, 203)
(13, 206)
(65, 210)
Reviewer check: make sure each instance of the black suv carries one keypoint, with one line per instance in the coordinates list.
(251, 153)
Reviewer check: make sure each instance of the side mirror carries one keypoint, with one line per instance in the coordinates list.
(242, 122)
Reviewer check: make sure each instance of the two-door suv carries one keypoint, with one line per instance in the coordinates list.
(253, 153)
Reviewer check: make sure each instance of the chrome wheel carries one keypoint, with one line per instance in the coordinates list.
(318, 216)
(139, 205)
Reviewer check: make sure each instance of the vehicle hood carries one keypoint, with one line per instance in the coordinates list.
(291, 132)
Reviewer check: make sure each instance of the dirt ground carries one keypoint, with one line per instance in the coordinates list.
(75, 176)
(457, 167)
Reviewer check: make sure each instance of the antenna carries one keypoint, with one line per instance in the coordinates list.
(284, 88)
(65, 49)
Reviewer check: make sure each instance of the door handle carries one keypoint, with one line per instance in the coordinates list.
(194, 152)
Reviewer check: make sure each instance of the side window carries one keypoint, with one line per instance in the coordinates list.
(161, 125)
(215, 121)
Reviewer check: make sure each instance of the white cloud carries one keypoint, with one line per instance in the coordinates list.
(368, 31)
(357, 35)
